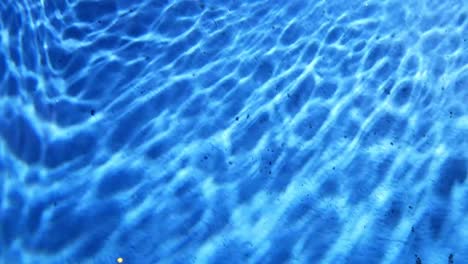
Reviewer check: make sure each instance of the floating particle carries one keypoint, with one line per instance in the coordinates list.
(418, 260)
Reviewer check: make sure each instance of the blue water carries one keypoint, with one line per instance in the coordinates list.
(232, 131)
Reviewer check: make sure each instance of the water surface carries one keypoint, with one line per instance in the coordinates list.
(233, 131)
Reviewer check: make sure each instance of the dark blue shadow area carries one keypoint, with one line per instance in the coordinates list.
(22, 139)
(61, 151)
(452, 173)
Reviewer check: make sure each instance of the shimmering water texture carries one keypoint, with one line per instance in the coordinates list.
(233, 131)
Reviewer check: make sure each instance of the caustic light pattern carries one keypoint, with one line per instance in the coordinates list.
(163, 131)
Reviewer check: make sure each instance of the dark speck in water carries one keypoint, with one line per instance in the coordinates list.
(418, 260)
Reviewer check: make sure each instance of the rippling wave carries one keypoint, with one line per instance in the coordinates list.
(162, 131)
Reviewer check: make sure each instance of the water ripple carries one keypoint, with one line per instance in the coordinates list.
(233, 132)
